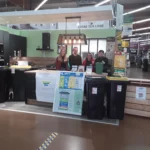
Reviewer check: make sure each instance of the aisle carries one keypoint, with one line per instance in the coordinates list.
(47, 111)
(137, 73)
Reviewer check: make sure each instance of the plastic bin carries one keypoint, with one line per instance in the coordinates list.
(96, 88)
(99, 68)
(116, 95)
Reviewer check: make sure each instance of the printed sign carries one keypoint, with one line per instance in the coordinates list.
(140, 93)
(45, 86)
(69, 93)
(119, 88)
(94, 90)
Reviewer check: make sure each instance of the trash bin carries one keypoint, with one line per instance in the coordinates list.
(116, 95)
(96, 88)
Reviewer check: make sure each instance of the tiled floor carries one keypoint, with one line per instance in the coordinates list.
(22, 131)
(137, 73)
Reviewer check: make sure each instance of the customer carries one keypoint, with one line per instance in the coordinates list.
(102, 59)
(89, 61)
(62, 60)
(75, 59)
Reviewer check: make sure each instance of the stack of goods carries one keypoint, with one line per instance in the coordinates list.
(120, 64)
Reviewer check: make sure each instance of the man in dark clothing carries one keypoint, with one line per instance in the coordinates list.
(102, 59)
(75, 59)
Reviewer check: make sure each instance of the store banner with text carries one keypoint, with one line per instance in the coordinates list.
(69, 93)
(45, 86)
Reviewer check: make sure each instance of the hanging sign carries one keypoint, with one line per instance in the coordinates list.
(69, 93)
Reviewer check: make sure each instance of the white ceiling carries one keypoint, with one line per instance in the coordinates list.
(57, 15)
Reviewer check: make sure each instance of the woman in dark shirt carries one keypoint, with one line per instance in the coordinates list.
(62, 60)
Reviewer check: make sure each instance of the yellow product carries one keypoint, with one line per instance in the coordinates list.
(72, 82)
(120, 61)
(117, 78)
(20, 67)
(61, 82)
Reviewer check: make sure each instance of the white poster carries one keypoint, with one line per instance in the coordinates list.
(140, 93)
(127, 29)
(69, 93)
(110, 48)
(45, 86)
(119, 17)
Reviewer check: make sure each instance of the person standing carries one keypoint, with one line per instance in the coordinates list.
(75, 59)
(62, 60)
(102, 59)
(89, 61)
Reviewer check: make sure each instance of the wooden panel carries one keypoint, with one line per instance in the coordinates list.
(134, 101)
(132, 88)
(137, 112)
(35, 102)
(40, 61)
(138, 107)
(132, 95)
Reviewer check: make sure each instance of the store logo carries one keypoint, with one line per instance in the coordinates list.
(45, 83)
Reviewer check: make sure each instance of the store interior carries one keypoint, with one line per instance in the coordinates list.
(111, 92)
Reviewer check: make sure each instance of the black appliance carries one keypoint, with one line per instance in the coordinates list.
(46, 41)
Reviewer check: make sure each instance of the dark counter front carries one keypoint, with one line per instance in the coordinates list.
(5, 81)
(30, 91)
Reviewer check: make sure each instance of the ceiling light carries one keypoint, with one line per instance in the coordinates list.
(141, 21)
(137, 10)
(77, 38)
(144, 40)
(41, 4)
(147, 33)
(70, 41)
(101, 3)
(65, 41)
(140, 29)
(74, 40)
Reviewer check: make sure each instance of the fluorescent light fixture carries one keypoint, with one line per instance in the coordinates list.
(140, 29)
(102, 2)
(147, 33)
(141, 21)
(144, 40)
(41, 4)
(137, 10)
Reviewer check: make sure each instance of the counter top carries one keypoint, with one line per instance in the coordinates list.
(50, 71)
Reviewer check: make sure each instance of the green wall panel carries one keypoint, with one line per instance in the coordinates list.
(34, 39)
(11, 31)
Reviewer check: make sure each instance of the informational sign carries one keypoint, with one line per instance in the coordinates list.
(62, 25)
(45, 86)
(120, 61)
(140, 93)
(69, 93)
(127, 29)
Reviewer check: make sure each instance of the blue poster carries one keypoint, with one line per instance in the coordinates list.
(69, 93)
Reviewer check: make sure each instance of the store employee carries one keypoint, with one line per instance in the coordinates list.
(102, 59)
(75, 59)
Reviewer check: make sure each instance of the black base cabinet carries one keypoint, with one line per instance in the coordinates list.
(18, 85)
(30, 86)
(5, 75)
